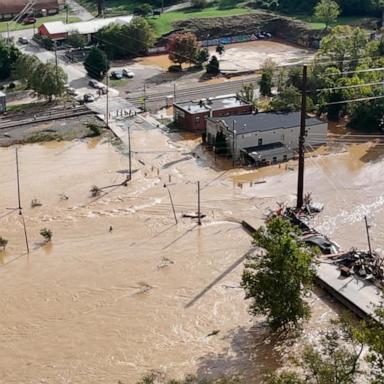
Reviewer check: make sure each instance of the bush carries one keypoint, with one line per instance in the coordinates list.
(143, 10)
(213, 67)
(175, 68)
(11, 85)
(47, 43)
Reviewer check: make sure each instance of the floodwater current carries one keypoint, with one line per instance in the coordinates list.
(99, 305)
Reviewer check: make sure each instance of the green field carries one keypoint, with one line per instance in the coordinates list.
(163, 24)
(40, 20)
(340, 21)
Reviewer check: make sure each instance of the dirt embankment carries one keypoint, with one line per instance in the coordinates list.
(286, 28)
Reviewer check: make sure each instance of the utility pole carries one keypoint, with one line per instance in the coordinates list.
(130, 153)
(145, 98)
(66, 13)
(198, 204)
(56, 69)
(19, 199)
(368, 237)
(7, 34)
(300, 179)
(107, 103)
(174, 93)
(233, 143)
(170, 198)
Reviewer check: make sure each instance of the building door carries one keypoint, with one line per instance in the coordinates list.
(260, 142)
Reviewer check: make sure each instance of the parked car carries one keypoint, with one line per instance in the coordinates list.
(88, 98)
(116, 75)
(23, 40)
(128, 73)
(29, 20)
(94, 83)
(72, 91)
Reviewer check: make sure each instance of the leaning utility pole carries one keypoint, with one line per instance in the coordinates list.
(368, 237)
(198, 204)
(300, 179)
(170, 198)
(19, 199)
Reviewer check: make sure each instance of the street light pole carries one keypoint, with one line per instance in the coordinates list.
(233, 143)
(107, 102)
(170, 198)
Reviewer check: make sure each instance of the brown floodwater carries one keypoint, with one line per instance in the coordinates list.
(100, 306)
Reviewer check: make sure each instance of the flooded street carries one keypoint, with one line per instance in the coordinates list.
(101, 306)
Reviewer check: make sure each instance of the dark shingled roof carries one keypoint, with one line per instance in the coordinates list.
(265, 121)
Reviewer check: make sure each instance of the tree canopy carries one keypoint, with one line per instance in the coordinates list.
(327, 11)
(127, 40)
(276, 279)
(183, 47)
(96, 63)
(8, 57)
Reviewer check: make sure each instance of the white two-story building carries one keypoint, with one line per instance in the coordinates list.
(265, 138)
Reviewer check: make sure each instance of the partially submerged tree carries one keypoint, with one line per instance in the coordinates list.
(202, 56)
(220, 49)
(46, 233)
(213, 66)
(327, 11)
(76, 40)
(277, 278)
(247, 93)
(183, 48)
(266, 81)
(3, 243)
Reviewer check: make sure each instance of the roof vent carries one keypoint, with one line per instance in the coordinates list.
(209, 100)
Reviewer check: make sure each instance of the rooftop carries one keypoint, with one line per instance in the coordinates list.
(85, 27)
(265, 121)
(214, 103)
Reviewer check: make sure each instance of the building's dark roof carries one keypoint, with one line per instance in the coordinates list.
(16, 6)
(265, 121)
(264, 147)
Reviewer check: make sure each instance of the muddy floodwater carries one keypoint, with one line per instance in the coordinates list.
(99, 305)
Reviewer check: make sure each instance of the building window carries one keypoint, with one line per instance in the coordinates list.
(285, 157)
(260, 142)
(197, 119)
(274, 159)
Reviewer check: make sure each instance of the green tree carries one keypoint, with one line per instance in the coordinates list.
(213, 66)
(76, 40)
(24, 68)
(266, 81)
(183, 48)
(288, 100)
(127, 40)
(48, 80)
(96, 63)
(143, 10)
(327, 11)
(334, 360)
(277, 278)
(202, 56)
(220, 49)
(8, 57)
(247, 93)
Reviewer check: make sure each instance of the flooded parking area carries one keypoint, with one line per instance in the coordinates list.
(102, 305)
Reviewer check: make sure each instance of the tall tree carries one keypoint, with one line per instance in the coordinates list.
(126, 40)
(25, 66)
(266, 81)
(327, 11)
(276, 279)
(96, 63)
(8, 56)
(183, 47)
(48, 80)
(213, 66)
(247, 93)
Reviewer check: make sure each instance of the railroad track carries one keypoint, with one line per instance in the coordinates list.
(229, 87)
(19, 120)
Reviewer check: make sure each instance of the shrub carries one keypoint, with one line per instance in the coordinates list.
(3, 243)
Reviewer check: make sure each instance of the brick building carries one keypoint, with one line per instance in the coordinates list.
(193, 115)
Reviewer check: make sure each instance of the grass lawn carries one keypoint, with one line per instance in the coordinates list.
(40, 20)
(24, 107)
(163, 24)
(345, 20)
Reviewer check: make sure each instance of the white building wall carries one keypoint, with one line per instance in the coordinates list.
(316, 135)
